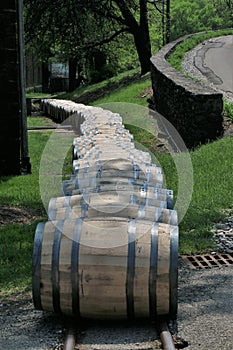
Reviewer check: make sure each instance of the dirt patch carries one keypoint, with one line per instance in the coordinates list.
(228, 128)
(18, 215)
(148, 92)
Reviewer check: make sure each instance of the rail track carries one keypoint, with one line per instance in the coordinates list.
(71, 341)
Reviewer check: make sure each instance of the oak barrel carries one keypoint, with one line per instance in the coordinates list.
(135, 172)
(69, 185)
(123, 210)
(93, 199)
(142, 191)
(106, 269)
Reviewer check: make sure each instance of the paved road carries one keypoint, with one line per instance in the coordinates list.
(215, 61)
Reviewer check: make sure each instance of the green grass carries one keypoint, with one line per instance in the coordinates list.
(38, 95)
(106, 84)
(16, 241)
(212, 191)
(177, 56)
(228, 111)
(16, 245)
(24, 190)
(212, 194)
(129, 94)
(39, 121)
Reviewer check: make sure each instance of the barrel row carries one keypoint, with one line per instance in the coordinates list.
(109, 249)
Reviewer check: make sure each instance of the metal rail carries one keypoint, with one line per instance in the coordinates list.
(164, 333)
(165, 336)
(70, 339)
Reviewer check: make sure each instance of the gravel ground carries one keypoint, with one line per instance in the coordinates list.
(205, 319)
(206, 308)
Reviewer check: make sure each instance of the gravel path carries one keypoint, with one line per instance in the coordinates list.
(205, 320)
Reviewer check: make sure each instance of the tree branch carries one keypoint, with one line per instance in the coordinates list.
(104, 41)
(154, 2)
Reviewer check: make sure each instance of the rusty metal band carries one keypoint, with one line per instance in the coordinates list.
(55, 276)
(75, 267)
(36, 265)
(153, 271)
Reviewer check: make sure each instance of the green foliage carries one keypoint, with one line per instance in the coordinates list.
(194, 16)
(228, 111)
(107, 71)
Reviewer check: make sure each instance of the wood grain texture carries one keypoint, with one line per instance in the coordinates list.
(102, 268)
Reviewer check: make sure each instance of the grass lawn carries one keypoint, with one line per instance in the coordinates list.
(16, 240)
(39, 121)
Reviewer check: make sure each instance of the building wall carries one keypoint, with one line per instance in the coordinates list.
(9, 90)
(194, 109)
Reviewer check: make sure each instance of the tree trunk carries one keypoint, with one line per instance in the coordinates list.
(72, 73)
(143, 50)
(139, 31)
(45, 77)
(168, 22)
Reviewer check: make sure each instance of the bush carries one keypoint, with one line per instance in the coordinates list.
(106, 72)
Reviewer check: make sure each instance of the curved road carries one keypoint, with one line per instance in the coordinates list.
(215, 61)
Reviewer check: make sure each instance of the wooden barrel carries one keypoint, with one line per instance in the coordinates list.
(94, 158)
(161, 201)
(106, 269)
(85, 151)
(82, 165)
(137, 190)
(150, 177)
(94, 151)
(120, 164)
(109, 209)
(100, 139)
(134, 171)
(69, 185)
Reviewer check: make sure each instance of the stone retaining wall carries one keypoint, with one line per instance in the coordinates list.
(194, 109)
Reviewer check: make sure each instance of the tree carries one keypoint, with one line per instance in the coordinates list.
(78, 26)
(225, 10)
(190, 17)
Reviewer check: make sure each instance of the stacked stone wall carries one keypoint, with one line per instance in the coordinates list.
(193, 108)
